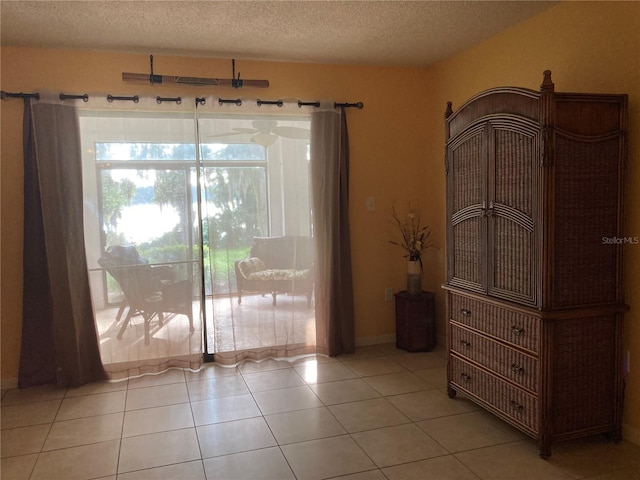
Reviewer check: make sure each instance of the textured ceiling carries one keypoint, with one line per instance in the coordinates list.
(394, 33)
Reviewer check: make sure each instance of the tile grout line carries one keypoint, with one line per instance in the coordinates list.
(269, 426)
(195, 427)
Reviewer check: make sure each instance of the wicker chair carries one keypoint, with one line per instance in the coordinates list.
(277, 265)
(149, 290)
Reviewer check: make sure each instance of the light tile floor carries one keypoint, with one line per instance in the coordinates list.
(379, 414)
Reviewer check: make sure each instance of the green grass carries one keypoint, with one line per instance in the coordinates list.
(222, 264)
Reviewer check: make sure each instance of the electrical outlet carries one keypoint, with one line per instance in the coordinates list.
(388, 294)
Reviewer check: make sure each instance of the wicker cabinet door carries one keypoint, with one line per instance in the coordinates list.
(466, 204)
(513, 166)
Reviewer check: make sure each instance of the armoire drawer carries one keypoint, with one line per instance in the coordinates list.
(514, 327)
(507, 362)
(512, 401)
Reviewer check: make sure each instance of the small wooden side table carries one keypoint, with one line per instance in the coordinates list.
(415, 321)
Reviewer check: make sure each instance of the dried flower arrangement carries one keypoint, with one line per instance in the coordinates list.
(415, 236)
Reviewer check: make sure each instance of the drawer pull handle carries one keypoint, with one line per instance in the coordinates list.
(465, 312)
(516, 406)
(465, 377)
(516, 330)
(515, 368)
(465, 344)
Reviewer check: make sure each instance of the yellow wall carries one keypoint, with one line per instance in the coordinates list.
(589, 47)
(397, 140)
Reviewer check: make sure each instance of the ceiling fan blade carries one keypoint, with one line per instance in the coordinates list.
(264, 126)
(264, 139)
(292, 132)
(246, 130)
(267, 132)
(227, 134)
(236, 131)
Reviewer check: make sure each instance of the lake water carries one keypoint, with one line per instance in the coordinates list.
(142, 223)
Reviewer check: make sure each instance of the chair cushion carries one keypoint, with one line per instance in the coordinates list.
(280, 274)
(250, 265)
(153, 298)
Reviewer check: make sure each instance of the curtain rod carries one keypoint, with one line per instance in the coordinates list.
(135, 98)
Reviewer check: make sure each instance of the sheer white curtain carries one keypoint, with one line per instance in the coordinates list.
(142, 232)
(179, 195)
(258, 251)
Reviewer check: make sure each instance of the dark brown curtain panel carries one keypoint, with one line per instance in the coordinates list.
(335, 332)
(59, 340)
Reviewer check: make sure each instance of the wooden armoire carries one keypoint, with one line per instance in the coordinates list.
(534, 258)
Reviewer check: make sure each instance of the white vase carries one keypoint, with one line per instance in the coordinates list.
(414, 277)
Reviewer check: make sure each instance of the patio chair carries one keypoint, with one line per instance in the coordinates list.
(149, 290)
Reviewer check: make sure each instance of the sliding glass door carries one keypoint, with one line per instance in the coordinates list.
(168, 214)
(142, 234)
(255, 185)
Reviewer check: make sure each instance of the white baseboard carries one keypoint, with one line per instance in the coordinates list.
(8, 383)
(366, 341)
(391, 338)
(630, 434)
